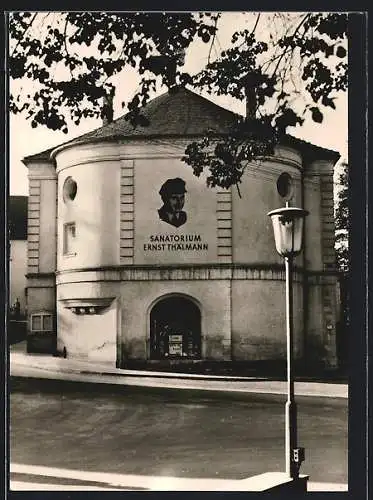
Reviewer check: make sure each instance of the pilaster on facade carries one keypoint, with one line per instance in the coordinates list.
(224, 226)
(127, 203)
(41, 236)
(323, 172)
(328, 252)
(33, 226)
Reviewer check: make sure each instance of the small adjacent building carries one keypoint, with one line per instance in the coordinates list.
(133, 259)
(17, 233)
(17, 282)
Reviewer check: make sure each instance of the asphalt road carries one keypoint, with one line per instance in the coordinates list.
(185, 433)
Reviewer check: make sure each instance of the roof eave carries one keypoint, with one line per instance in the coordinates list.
(117, 138)
(310, 150)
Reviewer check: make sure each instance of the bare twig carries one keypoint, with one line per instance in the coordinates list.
(43, 19)
(252, 31)
(286, 69)
(255, 25)
(274, 58)
(291, 75)
(217, 39)
(293, 35)
(65, 43)
(213, 37)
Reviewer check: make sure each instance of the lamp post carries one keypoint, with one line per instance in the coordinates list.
(288, 231)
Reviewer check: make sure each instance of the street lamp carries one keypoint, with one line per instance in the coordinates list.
(288, 231)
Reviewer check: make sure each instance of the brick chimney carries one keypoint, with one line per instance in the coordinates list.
(250, 101)
(107, 111)
(250, 92)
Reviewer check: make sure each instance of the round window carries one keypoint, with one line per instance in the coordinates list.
(70, 188)
(285, 186)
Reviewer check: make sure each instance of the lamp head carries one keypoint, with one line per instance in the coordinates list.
(288, 229)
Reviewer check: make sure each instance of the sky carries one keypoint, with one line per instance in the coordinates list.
(332, 133)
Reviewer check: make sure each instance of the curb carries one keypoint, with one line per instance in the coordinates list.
(67, 479)
(122, 372)
(213, 386)
(23, 365)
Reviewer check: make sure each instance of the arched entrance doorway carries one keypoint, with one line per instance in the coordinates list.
(175, 329)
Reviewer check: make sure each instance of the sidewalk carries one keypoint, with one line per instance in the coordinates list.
(47, 366)
(44, 366)
(68, 480)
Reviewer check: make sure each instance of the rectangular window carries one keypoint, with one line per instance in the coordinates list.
(69, 235)
(41, 323)
(36, 322)
(47, 323)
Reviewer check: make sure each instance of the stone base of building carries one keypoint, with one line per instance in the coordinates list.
(243, 368)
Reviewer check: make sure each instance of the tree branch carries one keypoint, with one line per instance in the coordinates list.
(293, 35)
(65, 42)
(274, 58)
(252, 31)
(24, 33)
(213, 38)
(255, 25)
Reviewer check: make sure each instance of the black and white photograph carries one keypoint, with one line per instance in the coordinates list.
(178, 251)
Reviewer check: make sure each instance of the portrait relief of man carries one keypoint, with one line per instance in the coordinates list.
(173, 196)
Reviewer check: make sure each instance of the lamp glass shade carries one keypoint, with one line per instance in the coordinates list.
(288, 229)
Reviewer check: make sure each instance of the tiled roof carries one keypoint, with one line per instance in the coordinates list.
(17, 217)
(177, 113)
(180, 113)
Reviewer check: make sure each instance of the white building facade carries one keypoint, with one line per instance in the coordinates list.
(125, 286)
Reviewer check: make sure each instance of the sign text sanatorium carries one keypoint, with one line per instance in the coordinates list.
(175, 242)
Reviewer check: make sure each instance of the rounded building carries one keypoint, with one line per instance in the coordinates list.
(138, 262)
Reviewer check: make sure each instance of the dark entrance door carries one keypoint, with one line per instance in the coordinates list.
(175, 329)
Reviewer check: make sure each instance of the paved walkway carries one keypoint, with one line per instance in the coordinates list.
(27, 477)
(23, 364)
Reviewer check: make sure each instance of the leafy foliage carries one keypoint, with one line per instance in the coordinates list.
(86, 49)
(72, 59)
(342, 221)
(226, 158)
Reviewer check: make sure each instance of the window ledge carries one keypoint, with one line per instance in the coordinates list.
(87, 306)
